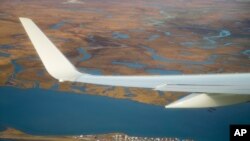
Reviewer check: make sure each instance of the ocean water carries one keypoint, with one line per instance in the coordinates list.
(50, 112)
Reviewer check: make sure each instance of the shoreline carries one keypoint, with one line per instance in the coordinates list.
(13, 134)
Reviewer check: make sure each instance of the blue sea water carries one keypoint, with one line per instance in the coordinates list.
(48, 112)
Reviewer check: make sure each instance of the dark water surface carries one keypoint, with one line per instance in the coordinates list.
(48, 112)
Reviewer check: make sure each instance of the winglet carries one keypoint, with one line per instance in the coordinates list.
(202, 100)
(54, 61)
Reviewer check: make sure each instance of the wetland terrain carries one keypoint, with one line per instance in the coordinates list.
(117, 37)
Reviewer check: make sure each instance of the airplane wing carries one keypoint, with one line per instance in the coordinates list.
(208, 90)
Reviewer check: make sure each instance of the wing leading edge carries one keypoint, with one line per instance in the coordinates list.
(235, 88)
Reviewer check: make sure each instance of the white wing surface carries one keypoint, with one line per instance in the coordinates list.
(210, 89)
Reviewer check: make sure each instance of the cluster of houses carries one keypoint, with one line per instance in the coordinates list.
(123, 137)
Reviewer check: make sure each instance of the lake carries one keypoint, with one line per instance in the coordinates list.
(49, 112)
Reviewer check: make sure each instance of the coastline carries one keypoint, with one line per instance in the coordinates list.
(13, 134)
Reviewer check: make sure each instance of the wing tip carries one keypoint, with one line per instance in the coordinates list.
(57, 65)
(23, 18)
(203, 100)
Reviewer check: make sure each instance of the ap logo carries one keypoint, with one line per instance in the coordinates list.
(239, 132)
